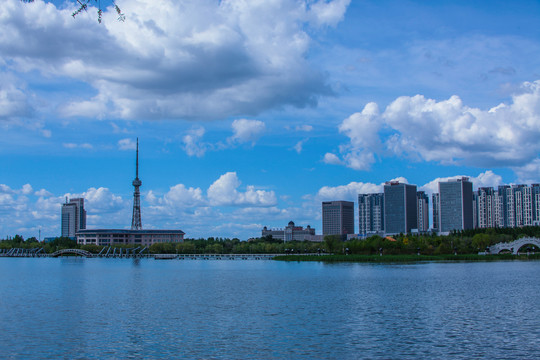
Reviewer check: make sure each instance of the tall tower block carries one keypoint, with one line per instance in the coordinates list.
(136, 220)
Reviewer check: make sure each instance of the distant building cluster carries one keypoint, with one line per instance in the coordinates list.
(403, 209)
(400, 208)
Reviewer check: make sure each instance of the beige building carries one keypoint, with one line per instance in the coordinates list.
(107, 237)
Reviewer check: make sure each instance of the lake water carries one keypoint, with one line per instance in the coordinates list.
(77, 308)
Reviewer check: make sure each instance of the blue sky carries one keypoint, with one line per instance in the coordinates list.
(250, 113)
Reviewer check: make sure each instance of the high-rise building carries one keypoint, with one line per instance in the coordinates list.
(73, 217)
(435, 201)
(536, 203)
(486, 208)
(400, 208)
(422, 213)
(338, 217)
(523, 205)
(370, 213)
(504, 196)
(456, 205)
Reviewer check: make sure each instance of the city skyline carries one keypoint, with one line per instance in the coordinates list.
(255, 114)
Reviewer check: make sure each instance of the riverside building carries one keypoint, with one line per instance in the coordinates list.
(400, 208)
(370, 214)
(292, 233)
(338, 217)
(136, 235)
(456, 205)
(73, 217)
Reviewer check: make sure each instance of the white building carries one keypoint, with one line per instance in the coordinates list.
(292, 233)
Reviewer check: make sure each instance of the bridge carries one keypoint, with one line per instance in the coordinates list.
(20, 252)
(514, 246)
(79, 252)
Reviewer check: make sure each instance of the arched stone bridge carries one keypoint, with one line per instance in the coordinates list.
(72, 251)
(514, 246)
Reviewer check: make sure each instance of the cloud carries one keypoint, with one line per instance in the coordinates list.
(485, 179)
(447, 131)
(450, 132)
(224, 192)
(43, 193)
(529, 173)
(181, 59)
(75, 146)
(347, 192)
(101, 200)
(330, 13)
(333, 159)
(245, 130)
(127, 144)
(14, 102)
(27, 189)
(306, 128)
(299, 145)
(178, 196)
(362, 130)
(192, 142)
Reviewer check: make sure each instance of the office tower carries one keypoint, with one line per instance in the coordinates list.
(338, 217)
(400, 209)
(73, 217)
(422, 213)
(456, 205)
(136, 219)
(370, 213)
(435, 201)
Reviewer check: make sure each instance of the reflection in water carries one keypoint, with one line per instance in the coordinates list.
(142, 308)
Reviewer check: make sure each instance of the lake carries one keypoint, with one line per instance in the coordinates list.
(78, 308)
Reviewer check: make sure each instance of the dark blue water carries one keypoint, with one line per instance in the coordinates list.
(77, 308)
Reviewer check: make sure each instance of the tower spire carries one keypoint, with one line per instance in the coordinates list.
(136, 219)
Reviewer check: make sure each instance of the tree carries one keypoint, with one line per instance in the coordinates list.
(83, 6)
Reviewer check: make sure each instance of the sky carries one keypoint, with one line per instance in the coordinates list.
(251, 113)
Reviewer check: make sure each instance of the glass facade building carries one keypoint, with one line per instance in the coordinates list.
(400, 208)
(456, 205)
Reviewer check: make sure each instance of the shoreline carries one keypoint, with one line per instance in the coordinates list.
(407, 258)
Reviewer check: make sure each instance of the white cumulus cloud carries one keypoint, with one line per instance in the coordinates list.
(245, 130)
(485, 179)
(362, 129)
(224, 191)
(447, 131)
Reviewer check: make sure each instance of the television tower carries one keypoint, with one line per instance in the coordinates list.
(136, 220)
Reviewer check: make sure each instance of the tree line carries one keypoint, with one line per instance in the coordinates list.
(458, 242)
